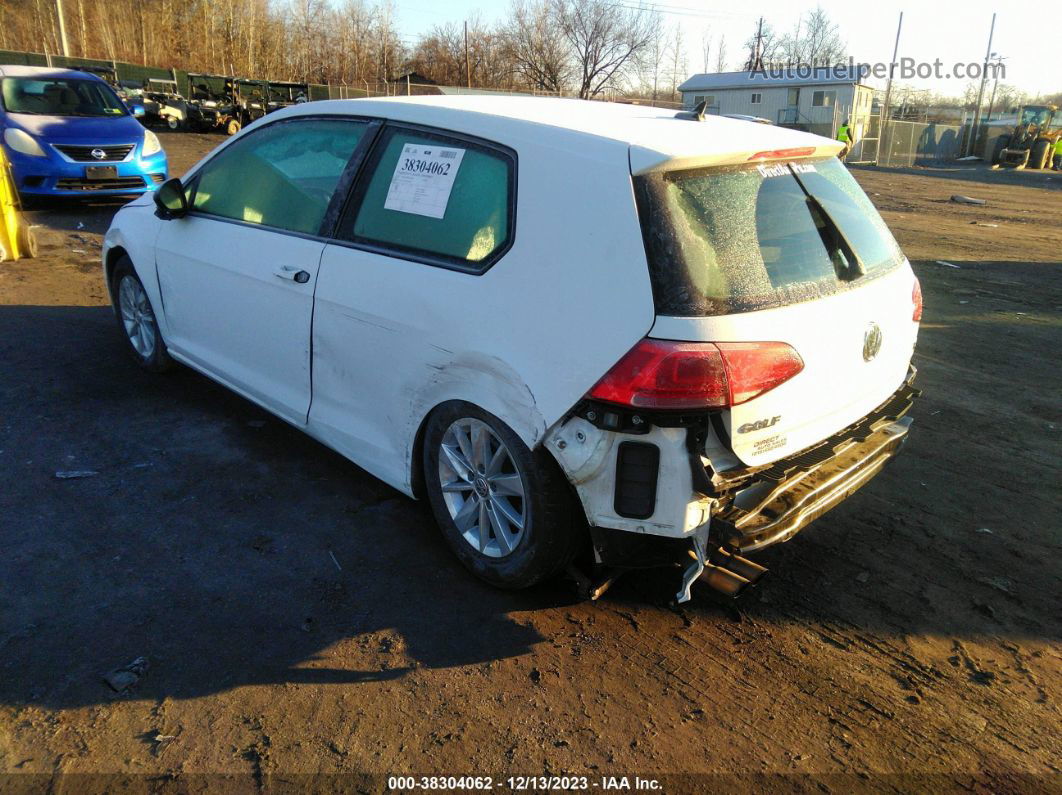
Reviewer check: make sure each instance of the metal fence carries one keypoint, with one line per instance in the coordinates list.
(909, 143)
(123, 71)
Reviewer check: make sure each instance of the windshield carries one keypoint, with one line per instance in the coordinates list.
(60, 96)
(736, 239)
(1035, 114)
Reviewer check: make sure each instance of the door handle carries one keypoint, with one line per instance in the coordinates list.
(292, 273)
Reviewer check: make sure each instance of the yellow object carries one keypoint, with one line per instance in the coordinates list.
(9, 224)
(1058, 147)
(842, 134)
(17, 240)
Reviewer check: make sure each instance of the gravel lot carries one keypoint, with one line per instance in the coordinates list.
(300, 619)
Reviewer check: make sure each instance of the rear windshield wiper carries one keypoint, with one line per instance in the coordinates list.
(833, 237)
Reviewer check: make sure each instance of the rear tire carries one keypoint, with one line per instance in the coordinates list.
(136, 319)
(506, 511)
(173, 123)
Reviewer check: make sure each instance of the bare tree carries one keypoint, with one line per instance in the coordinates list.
(816, 41)
(720, 54)
(678, 62)
(537, 46)
(654, 60)
(583, 46)
(607, 41)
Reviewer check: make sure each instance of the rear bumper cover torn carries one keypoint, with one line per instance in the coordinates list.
(783, 498)
(788, 505)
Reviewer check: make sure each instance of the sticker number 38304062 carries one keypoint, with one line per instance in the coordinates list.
(423, 179)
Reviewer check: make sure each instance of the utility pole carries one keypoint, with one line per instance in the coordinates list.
(981, 94)
(883, 124)
(62, 28)
(468, 66)
(995, 85)
(756, 56)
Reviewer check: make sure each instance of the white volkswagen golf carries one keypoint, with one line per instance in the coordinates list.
(568, 325)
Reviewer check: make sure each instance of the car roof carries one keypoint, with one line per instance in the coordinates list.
(658, 138)
(16, 70)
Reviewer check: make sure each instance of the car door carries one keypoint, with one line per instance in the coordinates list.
(432, 213)
(238, 273)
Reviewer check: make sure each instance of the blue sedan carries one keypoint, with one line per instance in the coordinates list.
(67, 133)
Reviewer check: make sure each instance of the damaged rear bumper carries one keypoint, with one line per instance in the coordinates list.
(667, 505)
(769, 505)
(774, 511)
(669, 493)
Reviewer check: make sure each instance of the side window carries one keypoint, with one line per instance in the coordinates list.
(437, 196)
(281, 176)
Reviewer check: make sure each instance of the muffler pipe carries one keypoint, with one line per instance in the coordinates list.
(742, 567)
(723, 580)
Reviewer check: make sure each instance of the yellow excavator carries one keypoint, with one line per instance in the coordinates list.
(1033, 139)
(17, 240)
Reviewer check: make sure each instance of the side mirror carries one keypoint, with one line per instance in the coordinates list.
(171, 200)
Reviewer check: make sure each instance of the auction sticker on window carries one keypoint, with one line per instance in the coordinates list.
(423, 179)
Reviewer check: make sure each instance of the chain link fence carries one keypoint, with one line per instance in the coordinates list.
(907, 143)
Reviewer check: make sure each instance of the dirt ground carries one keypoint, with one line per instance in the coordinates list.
(300, 619)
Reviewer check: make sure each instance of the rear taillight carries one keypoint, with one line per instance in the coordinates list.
(664, 374)
(916, 299)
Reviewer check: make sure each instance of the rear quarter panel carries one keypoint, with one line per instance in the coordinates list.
(526, 340)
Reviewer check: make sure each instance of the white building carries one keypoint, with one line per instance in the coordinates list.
(818, 100)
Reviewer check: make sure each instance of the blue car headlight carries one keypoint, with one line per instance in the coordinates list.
(152, 145)
(22, 142)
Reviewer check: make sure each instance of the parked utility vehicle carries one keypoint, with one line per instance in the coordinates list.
(163, 105)
(1032, 142)
(232, 105)
(542, 314)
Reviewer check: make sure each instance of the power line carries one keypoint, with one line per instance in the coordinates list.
(674, 10)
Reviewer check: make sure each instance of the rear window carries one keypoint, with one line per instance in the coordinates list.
(728, 240)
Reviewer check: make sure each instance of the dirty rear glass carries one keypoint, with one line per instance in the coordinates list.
(728, 240)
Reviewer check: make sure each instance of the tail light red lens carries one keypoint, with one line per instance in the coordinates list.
(664, 374)
(781, 154)
(916, 299)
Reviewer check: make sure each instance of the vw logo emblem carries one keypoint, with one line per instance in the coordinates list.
(99, 154)
(871, 342)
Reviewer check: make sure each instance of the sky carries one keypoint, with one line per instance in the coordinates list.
(951, 31)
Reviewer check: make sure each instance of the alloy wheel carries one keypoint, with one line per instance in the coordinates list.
(483, 488)
(137, 317)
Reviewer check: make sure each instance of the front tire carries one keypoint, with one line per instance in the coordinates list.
(1038, 156)
(136, 319)
(507, 511)
(233, 126)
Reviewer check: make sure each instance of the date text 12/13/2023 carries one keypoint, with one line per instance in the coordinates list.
(522, 783)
